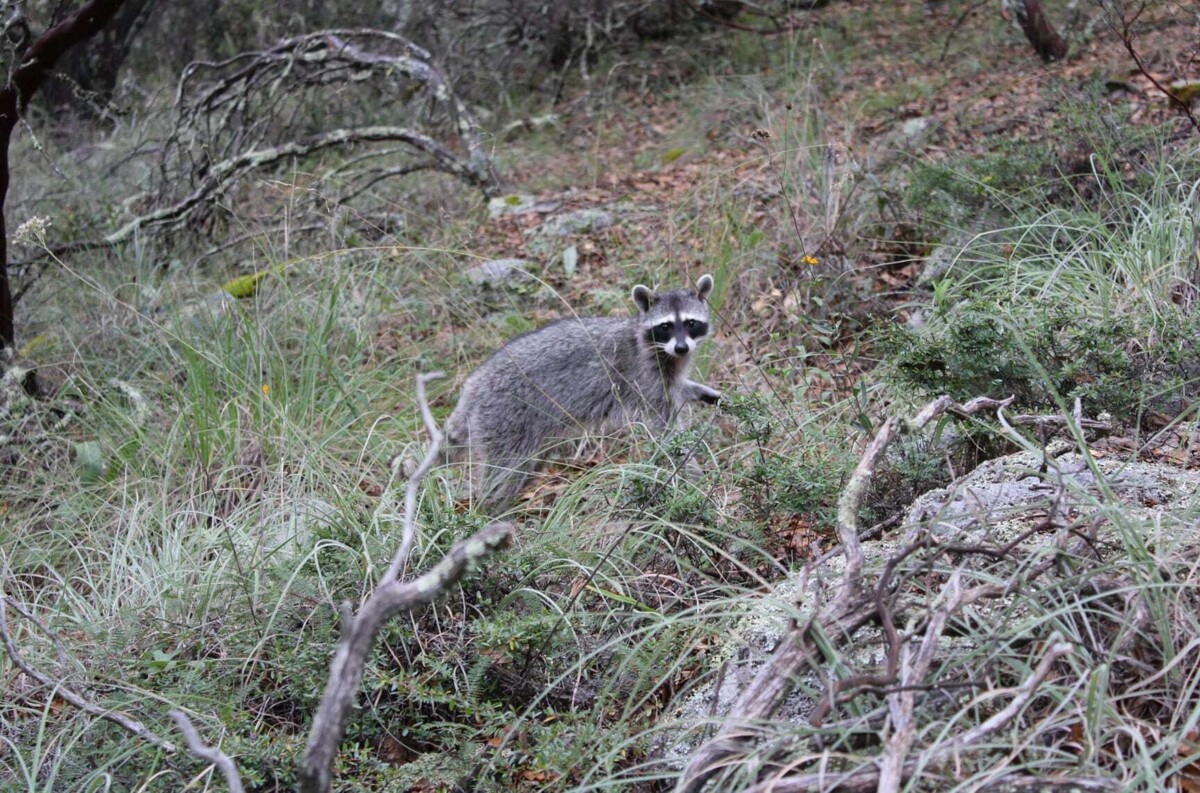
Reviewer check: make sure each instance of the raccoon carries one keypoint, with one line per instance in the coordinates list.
(543, 388)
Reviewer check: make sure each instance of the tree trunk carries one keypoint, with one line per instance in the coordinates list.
(1041, 34)
(94, 67)
(24, 80)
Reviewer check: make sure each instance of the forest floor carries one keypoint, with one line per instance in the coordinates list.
(208, 479)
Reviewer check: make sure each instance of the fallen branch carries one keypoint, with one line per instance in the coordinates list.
(227, 172)
(1042, 422)
(242, 121)
(390, 597)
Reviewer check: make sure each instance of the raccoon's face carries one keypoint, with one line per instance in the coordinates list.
(674, 322)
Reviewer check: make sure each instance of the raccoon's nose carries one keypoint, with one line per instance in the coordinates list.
(681, 349)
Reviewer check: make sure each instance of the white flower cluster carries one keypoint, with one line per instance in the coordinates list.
(32, 231)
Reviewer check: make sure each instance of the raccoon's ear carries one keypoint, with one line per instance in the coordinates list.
(704, 286)
(642, 297)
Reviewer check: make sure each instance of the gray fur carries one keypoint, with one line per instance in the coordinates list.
(543, 388)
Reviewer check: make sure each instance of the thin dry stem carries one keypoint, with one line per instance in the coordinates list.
(414, 481)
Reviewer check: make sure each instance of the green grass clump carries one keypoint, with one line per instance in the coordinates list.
(1097, 303)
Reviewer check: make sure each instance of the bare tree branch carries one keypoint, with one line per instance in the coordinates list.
(246, 118)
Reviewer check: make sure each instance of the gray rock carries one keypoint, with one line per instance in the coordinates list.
(580, 221)
(518, 204)
(916, 133)
(1002, 489)
(500, 273)
(917, 126)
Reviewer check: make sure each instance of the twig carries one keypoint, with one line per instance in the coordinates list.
(1062, 421)
(1125, 32)
(212, 754)
(902, 703)
(59, 689)
(414, 481)
(1022, 695)
(49, 634)
(856, 487)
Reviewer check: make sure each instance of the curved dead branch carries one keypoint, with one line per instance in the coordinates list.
(358, 636)
(227, 172)
(255, 113)
(390, 597)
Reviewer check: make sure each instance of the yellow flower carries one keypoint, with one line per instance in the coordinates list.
(266, 389)
(811, 261)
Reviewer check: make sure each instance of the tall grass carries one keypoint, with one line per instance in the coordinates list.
(1129, 253)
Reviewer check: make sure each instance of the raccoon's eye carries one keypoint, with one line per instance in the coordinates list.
(665, 327)
(690, 324)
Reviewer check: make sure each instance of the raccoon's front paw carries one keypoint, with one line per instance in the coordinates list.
(698, 392)
(709, 396)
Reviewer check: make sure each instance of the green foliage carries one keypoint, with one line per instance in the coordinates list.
(1086, 291)
(805, 481)
(1044, 353)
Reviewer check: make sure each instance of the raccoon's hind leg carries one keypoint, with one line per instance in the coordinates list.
(496, 483)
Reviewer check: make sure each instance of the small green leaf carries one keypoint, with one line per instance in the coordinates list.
(570, 260)
(89, 458)
(671, 155)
